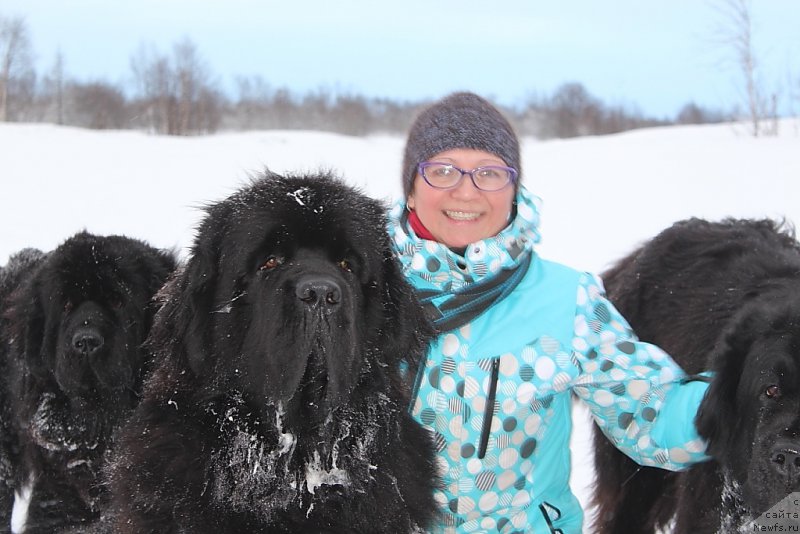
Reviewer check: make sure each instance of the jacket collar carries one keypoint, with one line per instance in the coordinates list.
(433, 265)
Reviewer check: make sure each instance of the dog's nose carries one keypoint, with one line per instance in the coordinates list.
(786, 458)
(319, 290)
(87, 341)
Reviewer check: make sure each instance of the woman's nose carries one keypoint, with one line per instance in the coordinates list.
(465, 188)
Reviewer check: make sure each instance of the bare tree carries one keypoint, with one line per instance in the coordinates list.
(574, 111)
(177, 94)
(692, 113)
(284, 109)
(52, 98)
(15, 61)
(98, 105)
(155, 90)
(350, 114)
(252, 106)
(58, 87)
(736, 32)
(189, 73)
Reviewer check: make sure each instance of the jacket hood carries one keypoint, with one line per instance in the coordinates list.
(437, 266)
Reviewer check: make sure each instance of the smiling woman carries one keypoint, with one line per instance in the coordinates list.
(519, 336)
(462, 132)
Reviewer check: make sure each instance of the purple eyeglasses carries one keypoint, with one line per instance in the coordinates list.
(447, 176)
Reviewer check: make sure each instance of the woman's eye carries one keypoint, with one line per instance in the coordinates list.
(443, 171)
(270, 263)
(345, 266)
(773, 391)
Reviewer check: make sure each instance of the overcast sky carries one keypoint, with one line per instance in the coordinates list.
(655, 55)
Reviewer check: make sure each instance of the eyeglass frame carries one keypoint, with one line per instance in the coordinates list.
(513, 174)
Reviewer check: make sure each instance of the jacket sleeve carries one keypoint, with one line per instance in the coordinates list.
(639, 397)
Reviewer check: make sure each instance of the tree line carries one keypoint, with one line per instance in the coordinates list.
(177, 93)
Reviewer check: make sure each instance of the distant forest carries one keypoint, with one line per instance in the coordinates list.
(177, 93)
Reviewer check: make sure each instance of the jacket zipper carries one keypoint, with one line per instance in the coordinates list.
(488, 413)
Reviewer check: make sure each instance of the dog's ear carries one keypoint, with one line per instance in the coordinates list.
(408, 330)
(718, 415)
(23, 310)
(182, 324)
(160, 266)
(27, 317)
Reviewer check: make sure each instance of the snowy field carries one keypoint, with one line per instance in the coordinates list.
(602, 195)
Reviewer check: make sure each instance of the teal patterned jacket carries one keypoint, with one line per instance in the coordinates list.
(556, 335)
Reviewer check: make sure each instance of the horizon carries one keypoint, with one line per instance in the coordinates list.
(653, 59)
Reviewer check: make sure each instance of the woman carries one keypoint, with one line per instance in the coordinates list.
(519, 334)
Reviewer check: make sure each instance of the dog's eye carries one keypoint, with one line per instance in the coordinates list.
(773, 391)
(345, 266)
(270, 263)
(68, 306)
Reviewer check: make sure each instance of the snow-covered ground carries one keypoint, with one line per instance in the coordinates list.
(602, 195)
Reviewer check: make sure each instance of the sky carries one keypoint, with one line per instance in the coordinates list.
(645, 55)
(602, 196)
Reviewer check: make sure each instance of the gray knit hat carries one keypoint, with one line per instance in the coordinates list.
(460, 120)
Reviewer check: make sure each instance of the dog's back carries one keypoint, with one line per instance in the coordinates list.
(679, 291)
(698, 272)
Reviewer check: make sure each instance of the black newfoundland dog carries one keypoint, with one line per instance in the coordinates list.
(723, 297)
(280, 402)
(72, 322)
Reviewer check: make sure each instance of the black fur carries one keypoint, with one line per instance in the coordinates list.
(720, 296)
(279, 404)
(71, 327)
(10, 275)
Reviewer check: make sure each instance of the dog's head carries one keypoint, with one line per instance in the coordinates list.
(751, 413)
(81, 316)
(290, 293)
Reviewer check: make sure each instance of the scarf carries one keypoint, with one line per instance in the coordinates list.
(456, 289)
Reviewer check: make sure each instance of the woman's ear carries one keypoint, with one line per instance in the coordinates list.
(410, 203)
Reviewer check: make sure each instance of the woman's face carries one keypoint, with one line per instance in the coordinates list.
(464, 214)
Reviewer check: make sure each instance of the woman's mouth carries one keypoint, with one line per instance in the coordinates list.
(462, 215)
